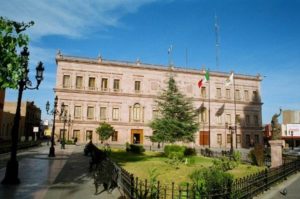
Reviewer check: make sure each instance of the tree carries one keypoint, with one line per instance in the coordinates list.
(177, 121)
(105, 131)
(11, 39)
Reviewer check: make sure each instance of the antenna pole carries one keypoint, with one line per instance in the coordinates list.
(217, 29)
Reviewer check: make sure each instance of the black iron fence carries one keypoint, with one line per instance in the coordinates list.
(241, 188)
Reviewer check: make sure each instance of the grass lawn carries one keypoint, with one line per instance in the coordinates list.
(140, 164)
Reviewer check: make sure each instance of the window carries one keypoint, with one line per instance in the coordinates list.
(256, 139)
(247, 140)
(76, 134)
(227, 93)
(77, 112)
(136, 112)
(203, 92)
(114, 136)
(155, 114)
(115, 113)
(255, 117)
(228, 138)
(102, 113)
(104, 84)
(247, 119)
(238, 118)
(203, 115)
(238, 138)
(228, 118)
(246, 95)
(92, 83)
(237, 94)
(219, 94)
(89, 135)
(116, 84)
(255, 96)
(137, 86)
(219, 119)
(66, 81)
(79, 82)
(90, 112)
(65, 110)
(219, 139)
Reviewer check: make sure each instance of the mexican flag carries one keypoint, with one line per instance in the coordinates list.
(204, 80)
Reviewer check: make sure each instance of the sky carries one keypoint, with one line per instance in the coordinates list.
(255, 37)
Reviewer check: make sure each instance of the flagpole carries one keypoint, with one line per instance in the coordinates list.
(234, 101)
(209, 113)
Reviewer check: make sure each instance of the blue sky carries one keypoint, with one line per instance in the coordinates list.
(256, 36)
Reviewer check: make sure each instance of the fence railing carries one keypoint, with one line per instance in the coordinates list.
(241, 188)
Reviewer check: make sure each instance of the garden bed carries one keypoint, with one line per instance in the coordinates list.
(140, 166)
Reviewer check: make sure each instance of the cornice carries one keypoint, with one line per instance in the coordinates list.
(143, 66)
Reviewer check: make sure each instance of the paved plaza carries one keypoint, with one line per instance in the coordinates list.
(64, 176)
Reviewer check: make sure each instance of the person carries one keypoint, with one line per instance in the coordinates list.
(62, 142)
(75, 140)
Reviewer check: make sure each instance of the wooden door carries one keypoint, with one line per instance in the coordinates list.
(203, 138)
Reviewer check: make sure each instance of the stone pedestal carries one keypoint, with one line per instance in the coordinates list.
(276, 153)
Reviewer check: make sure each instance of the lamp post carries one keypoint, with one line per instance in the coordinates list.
(63, 116)
(231, 139)
(292, 134)
(12, 167)
(54, 112)
(69, 124)
(226, 127)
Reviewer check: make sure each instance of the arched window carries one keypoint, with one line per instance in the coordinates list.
(137, 112)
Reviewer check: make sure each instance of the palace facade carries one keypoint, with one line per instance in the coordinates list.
(123, 94)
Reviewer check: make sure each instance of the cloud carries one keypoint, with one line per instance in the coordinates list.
(72, 18)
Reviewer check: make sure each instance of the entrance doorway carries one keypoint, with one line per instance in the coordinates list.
(203, 138)
(61, 134)
(88, 135)
(137, 136)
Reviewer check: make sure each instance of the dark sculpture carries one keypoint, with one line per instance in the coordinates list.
(276, 128)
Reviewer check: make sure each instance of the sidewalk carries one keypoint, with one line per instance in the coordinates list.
(292, 186)
(64, 176)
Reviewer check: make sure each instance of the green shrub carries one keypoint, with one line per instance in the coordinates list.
(224, 163)
(176, 155)
(237, 156)
(257, 155)
(211, 180)
(136, 148)
(127, 145)
(190, 151)
(173, 148)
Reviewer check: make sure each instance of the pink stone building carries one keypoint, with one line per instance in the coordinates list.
(123, 94)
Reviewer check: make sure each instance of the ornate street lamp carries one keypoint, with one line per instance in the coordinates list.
(69, 124)
(54, 112)
(12, 167)
(64, 118)
(293, 143)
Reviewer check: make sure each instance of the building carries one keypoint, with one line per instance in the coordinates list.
(123, 94)
(290, 127)
(30, 117)
(2, 97)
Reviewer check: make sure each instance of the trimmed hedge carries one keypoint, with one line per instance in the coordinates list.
(135, 148)
(179, 151)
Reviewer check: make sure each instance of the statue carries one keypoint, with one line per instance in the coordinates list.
(276, 128)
